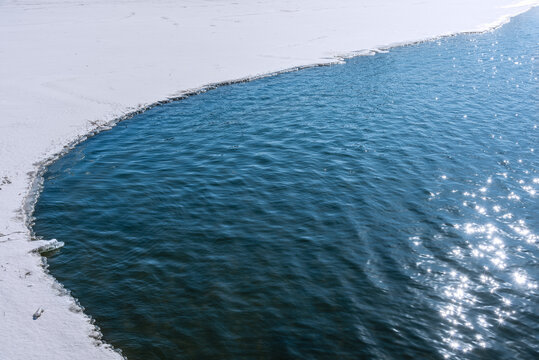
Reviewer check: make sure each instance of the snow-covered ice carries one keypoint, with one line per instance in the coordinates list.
(68, 67)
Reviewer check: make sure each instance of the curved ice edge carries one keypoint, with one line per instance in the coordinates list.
(36, 177)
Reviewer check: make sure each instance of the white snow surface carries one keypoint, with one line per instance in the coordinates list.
(68, 67)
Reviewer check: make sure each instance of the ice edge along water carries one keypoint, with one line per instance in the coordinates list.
(62, 330)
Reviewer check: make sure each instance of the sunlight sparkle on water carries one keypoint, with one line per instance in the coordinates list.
(328, 202)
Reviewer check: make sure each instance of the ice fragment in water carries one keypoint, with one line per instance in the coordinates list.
(46, 246)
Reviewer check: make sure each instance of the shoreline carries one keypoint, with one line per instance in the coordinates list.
(74, 334)
(36, 186)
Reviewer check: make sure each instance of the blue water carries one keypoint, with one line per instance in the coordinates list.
(385, 208)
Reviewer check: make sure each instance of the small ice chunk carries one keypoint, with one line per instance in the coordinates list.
(44, 246)
(38, 313)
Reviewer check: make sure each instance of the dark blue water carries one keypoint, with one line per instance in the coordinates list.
(385, 208)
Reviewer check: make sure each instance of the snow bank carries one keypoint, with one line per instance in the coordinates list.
(68, 67)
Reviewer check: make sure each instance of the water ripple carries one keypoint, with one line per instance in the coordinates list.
(385, 208)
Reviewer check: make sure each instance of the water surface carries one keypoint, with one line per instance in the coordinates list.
(385, 208)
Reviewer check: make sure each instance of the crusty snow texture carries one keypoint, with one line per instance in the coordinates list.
(67, 67)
